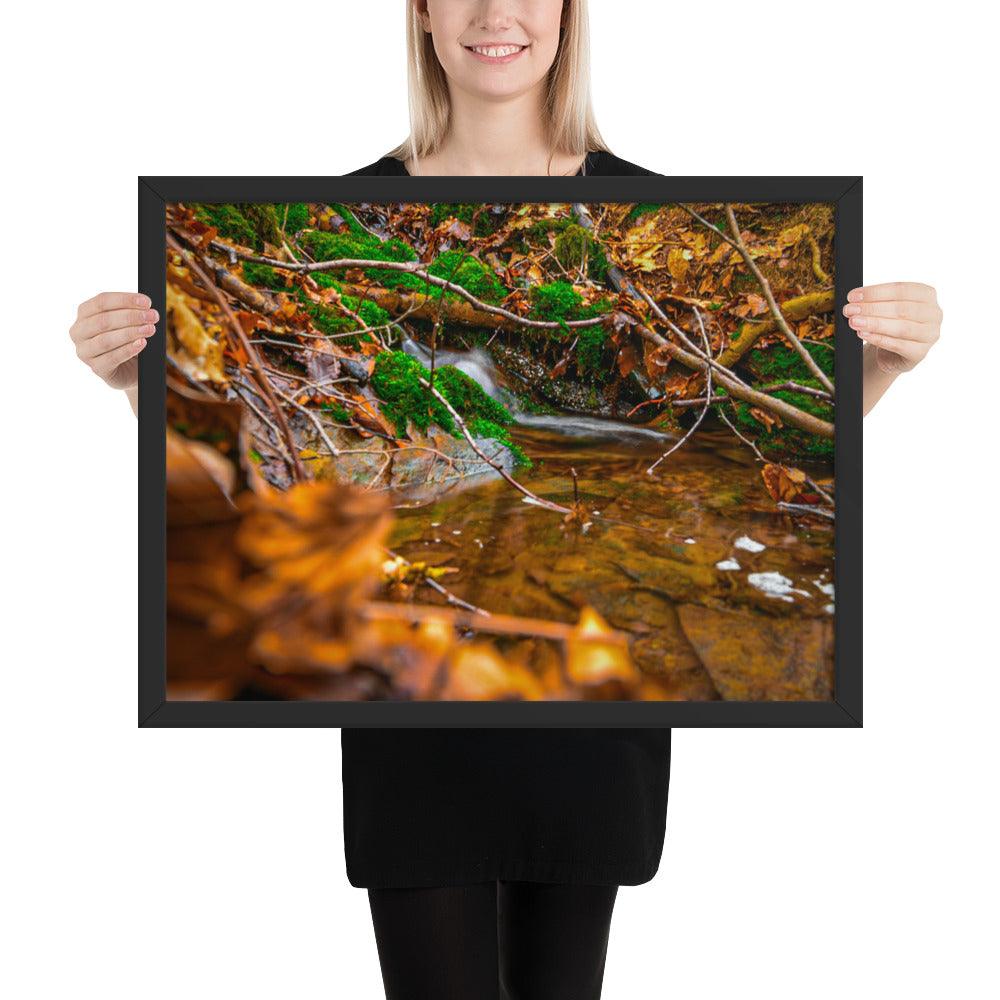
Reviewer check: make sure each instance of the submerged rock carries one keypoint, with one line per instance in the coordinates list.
(751, 657)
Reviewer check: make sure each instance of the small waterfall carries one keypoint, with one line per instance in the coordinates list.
(478, 365)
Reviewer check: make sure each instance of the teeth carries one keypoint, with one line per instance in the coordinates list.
(505, 50)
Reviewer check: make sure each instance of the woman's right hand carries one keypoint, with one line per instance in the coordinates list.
(110, 331)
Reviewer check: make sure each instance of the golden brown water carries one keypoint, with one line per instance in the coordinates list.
(668, 576)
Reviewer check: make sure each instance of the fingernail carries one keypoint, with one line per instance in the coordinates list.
(140, 343)
(143, 301)
(855, 295)
(152, 315)
(859, 322)
(148, 331)
(851, 310)
(863, 336)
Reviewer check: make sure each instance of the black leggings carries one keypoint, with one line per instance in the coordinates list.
(493, 941)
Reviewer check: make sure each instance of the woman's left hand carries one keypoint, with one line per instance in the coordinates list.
(901, 319)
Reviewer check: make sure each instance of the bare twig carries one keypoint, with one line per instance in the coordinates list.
(708, 396)
(496, 623)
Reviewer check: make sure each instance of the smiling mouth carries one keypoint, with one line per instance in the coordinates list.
(495, 53)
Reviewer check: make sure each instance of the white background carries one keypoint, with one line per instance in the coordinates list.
(209, 864)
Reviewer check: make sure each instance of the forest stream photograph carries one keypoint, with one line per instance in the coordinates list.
(529, 451)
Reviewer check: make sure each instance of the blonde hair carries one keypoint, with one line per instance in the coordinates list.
(568, 110)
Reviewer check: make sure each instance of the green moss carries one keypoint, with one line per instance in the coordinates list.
(326, 280)
(481, 428)
(529, 405)
(559, 300)
(468, 396)
(337, 412)
(472, 275)
(779, 362)
(294, 216)
(643, 208)
(787, 441)
(330, 320)
(556, 300)
(590, 352)
(349, 217)
(231, 223)
(263, 218)
(363, 246)
(573, 243)
(540, 229)
(445, 210)
(485, 221)
(404, 400)
(262, 275)
(250, 224)
(395, 380)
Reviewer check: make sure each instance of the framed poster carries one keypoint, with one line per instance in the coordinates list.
(507, 451)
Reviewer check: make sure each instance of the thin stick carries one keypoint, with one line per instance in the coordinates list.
(497, 623)
(708, 397)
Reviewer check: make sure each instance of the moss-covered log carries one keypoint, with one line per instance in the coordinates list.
(796, 309)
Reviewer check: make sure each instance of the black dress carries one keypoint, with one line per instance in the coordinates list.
(427, 807)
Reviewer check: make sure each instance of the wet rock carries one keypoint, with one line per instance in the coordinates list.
(565, 392)
(755, 658)
(426, 460)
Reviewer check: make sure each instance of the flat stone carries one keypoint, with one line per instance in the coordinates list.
(755, 657)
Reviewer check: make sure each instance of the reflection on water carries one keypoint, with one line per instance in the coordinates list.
(721, 593)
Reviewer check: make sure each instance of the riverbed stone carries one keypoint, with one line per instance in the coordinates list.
(751, 657)
(425, 460)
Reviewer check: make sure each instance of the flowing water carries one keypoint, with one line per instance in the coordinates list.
(722, 594)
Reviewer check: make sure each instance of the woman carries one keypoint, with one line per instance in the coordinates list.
(493, 857)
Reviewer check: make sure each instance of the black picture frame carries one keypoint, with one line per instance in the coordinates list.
(155, 710)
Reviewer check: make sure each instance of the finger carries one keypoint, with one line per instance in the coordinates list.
(904, 329)
(113, 300)
(908, 348)
(107, 363)
(104, 342)
(910, 291)
(917, 312)
(105, 322)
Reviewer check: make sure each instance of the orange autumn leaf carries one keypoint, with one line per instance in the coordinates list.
(769, 420)
(627, 358)
(477, 672)
(596, 653)
(784, 483)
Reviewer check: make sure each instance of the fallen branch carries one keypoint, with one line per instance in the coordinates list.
(798, 418)
(419, 269)
(795, 309)
(737, 241)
